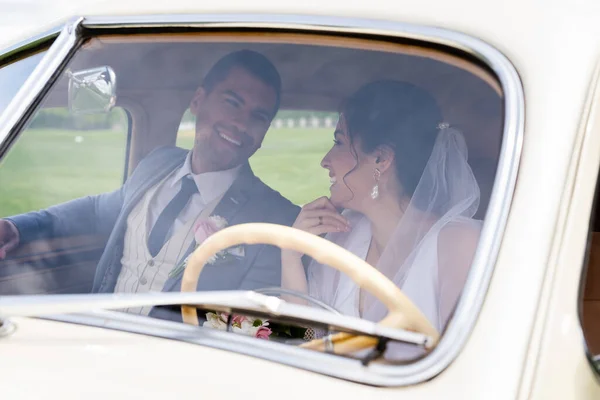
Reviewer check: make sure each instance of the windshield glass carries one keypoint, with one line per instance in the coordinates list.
(149, 144)
(14, 74)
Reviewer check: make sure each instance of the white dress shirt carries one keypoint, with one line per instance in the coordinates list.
(210, 186)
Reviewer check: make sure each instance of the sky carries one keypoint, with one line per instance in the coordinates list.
(18, 16)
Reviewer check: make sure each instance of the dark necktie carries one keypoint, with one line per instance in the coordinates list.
(167, 217)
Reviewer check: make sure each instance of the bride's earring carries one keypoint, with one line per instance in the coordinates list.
(375, 191)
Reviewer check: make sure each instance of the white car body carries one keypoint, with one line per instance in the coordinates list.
(526, 341)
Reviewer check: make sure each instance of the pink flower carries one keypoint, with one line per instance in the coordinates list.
(203, 229)
(238, 319)
(263, 333)
(206, 227)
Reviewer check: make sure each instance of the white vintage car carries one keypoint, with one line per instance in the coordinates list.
(83, 103)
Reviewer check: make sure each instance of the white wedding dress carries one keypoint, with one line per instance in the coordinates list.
(446, 197)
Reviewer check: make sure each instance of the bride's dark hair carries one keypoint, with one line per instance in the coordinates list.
(399, 115)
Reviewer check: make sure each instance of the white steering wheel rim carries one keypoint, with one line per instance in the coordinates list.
(402, 313)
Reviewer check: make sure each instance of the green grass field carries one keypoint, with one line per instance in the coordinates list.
(47, 167)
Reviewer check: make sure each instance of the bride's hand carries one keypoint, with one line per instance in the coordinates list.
(320, 217)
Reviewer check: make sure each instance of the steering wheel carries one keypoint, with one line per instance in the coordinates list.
(402, 313)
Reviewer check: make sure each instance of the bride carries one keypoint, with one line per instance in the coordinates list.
(407, 197)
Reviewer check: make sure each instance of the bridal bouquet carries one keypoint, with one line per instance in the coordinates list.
(255, 327)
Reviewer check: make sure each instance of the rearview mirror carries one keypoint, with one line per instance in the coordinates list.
(92, 91)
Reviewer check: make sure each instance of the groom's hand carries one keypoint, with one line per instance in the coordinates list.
(9, 237)
(320, 217)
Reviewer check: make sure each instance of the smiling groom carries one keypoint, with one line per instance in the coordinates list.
(150, 220)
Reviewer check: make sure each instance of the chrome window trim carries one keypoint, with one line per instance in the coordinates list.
(29, 43)
(479, 277)
(38, 83)
(324, 363)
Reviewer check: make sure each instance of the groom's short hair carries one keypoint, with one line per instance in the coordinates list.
(251, 61)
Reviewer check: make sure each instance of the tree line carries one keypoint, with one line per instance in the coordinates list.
(61, 118)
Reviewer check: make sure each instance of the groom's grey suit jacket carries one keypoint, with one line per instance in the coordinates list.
(247, 200)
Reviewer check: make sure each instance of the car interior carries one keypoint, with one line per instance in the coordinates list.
(157, 75)
(590, 290)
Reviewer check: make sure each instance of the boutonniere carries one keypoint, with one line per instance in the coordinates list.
(203, 229)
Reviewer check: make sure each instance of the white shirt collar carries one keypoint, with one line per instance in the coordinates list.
(210, 184)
